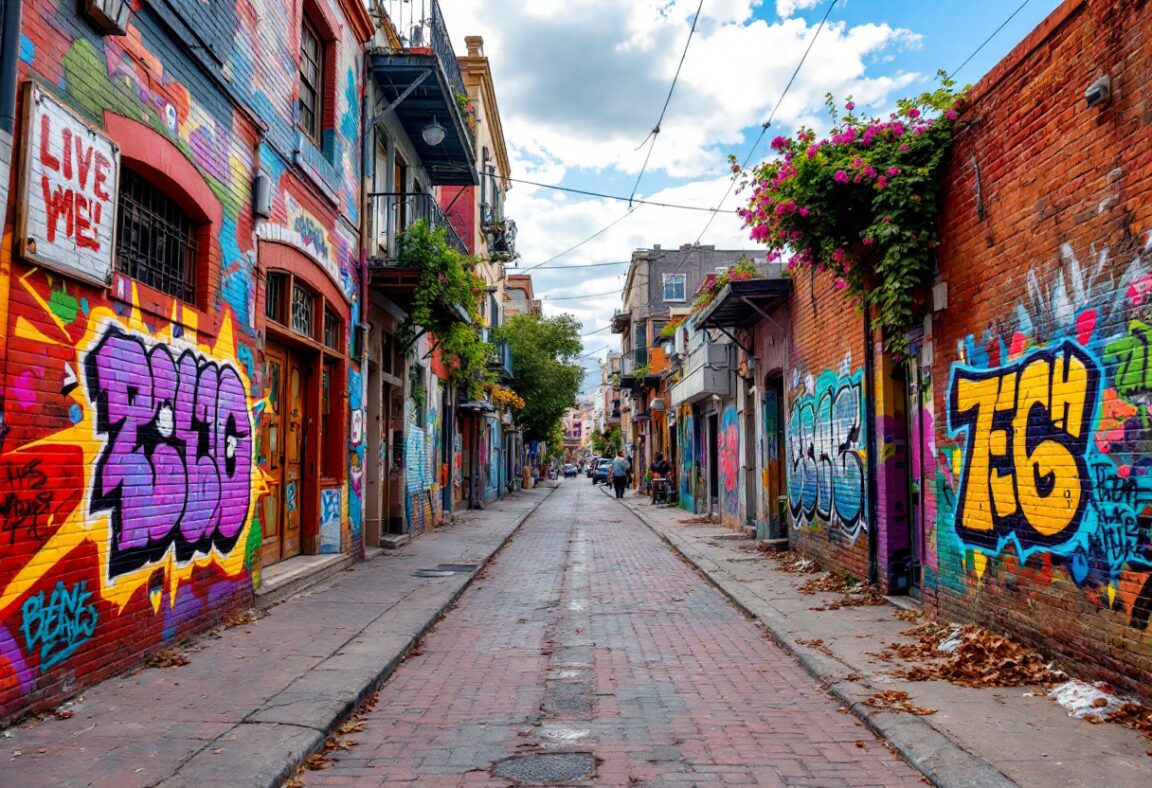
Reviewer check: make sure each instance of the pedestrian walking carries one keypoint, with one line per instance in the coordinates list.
(620, 469)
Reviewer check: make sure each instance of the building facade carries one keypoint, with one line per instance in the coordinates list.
(180, 285)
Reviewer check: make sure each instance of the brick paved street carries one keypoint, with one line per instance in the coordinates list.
(587, 634)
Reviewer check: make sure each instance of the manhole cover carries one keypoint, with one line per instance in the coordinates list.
(547, 767)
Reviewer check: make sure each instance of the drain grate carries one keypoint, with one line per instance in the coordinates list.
(544, 768)
(457, 567)
(432, 573)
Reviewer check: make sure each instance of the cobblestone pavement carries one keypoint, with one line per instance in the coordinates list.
(587, 635)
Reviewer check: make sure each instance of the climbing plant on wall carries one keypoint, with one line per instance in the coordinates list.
(861, 203)
(447, 304)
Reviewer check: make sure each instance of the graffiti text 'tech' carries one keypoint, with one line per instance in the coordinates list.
(1027, 426)
(176, 464)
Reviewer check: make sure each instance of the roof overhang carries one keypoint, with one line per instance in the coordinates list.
(744, 302)
(416, 89)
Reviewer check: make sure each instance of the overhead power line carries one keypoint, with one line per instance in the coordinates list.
(617, 197)
(771, 116)
(659, 121)
(574, 247)
(989, 38)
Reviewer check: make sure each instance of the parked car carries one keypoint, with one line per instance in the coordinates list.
(603, 468)
(569, 471)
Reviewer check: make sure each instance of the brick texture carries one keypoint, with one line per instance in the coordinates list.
(131, 459)
(1041, 379)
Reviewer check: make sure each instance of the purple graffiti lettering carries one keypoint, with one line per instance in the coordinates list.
(59, 625)
(175, 468)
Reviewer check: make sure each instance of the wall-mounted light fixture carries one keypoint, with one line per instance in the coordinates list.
(262, 196)
(433, 133)
(1099, 92)
(110, 16)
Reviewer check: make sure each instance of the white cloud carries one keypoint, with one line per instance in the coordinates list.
(785, 8)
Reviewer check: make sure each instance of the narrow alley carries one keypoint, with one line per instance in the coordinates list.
(589, 650)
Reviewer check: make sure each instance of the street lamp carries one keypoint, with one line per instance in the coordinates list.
(433, 133)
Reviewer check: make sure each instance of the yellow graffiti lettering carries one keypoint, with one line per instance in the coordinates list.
(1027, 428)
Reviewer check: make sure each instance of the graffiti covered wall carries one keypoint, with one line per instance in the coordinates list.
(688, 441)
(1042, 493)
(728, 454)
(129, 419)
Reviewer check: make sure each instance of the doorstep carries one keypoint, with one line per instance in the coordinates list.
(285, 578)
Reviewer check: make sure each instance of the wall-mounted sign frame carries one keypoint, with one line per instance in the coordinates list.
(69, 192)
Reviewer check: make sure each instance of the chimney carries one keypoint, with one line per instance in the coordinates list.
(475, 45)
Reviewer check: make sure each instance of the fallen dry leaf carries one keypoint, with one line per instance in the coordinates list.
(165, 658)
(896, 700)
(317, 762)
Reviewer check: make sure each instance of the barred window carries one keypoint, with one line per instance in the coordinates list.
(311, 80)
(303, 309)
(155, 239)
(275, 289)
(332, 328)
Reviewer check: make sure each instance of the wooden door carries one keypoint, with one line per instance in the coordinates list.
(272, 439)
(282, 435)
(294, 423)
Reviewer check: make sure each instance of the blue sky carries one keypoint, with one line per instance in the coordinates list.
(580, 85)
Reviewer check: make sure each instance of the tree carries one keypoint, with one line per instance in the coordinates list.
(544, 369)
(608, 444)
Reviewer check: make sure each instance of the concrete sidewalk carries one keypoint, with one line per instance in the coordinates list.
(978, 737)
(256, 699)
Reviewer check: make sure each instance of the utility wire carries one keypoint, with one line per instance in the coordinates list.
(577, 267)
(609, 196)
(656, 129)
(989, 38)
(771, 116)
(573, 248)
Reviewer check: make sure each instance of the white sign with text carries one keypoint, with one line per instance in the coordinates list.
(68, 205)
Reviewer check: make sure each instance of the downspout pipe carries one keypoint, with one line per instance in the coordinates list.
(366, 150)
(9, 54)
(871, 448)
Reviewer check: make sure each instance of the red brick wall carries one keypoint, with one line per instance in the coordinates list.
(1041, 376)
(824, 400)
(130, 478)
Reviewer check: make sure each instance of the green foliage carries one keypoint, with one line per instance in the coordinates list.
(861, 203)
(607, 445)
(447, 285)
(545, 372)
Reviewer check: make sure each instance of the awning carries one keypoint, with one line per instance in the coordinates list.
(744, 302)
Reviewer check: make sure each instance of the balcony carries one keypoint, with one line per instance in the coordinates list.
(390, 213)
(422, 83)
(501, 360)
(501, 239)
(708, 373)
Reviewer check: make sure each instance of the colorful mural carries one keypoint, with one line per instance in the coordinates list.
(826, 468)
(688, 453)
(150, 484)
(728, 452)
(1051, 420)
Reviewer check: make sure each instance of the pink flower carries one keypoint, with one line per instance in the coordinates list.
(812, 151)
(951, 115)
(887, 220)
(779, 143)
(867, 241)
(840, 284)
(838, 254)
(881, 182)
(893, 171)
(840, 176)
(904, 148)
(803, 211)
(851, 105)
(913, 113)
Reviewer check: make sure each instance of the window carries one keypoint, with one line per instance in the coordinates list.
(332, 326)
(275, 289)
(311, 118)
(675, 286)
(155, 240)
(303, 306)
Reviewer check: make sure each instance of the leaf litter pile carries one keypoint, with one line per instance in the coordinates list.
(788, 562)
(854, 593)
(896, 700)
(322, 760)
(969, 656)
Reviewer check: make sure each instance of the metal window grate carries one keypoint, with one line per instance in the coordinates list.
(274, 290)
(332, 326)
(303, 309)
(155, 240)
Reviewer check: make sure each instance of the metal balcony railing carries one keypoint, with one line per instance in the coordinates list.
(393, 212)
(425, 29)
(501, 359)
